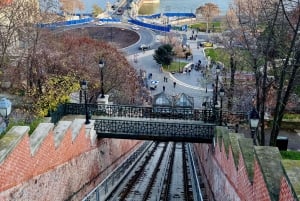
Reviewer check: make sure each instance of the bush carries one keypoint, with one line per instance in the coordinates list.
(33, 125)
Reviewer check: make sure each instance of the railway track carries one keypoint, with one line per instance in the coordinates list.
(161, 171)
(162, 175)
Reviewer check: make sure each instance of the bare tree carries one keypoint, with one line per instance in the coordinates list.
(286, 31)
(208, 11)
(69, 7)
(269, 31)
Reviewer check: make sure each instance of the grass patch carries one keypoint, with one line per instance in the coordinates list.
(291, 155)
(218, 54)
(222, 55)
(213, 26)
(291, 116)
(175, 66)
(33, 125)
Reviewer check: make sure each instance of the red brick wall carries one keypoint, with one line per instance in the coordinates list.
(229, 181)
(69, 171)
(285, 191)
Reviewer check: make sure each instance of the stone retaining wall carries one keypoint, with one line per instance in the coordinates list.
(57, 163)
(236, 170)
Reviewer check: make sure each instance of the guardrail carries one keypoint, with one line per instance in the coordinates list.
(208, 115)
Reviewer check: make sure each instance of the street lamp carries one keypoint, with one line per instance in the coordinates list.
(101, 66)
(222, 93)
(254, 120)
(217, 80)
(84, 88)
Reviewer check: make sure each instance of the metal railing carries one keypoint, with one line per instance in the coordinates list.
(206, 115)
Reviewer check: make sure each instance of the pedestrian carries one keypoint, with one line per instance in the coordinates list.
(164, 88)
(166, 79)
(174, 84)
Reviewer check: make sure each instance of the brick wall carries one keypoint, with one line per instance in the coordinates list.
(68, 171)
(235, 170)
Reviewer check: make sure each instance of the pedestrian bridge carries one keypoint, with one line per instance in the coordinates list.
(157, 130)
(146, 123)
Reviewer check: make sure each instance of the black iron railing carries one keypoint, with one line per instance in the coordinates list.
(130, 111)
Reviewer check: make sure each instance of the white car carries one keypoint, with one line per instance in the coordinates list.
(100, 23)
(135, 27)
(144, 47)
(153, 84)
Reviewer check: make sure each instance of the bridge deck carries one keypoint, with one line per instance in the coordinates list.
(154, 129)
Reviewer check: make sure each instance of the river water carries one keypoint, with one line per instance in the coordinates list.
(164, 5)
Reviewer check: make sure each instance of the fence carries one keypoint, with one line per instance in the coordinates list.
(130, 111)
(66, 23)
(151, 26)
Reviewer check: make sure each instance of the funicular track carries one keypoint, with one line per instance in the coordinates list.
(162, 175)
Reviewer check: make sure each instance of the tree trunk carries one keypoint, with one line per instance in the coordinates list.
(232, 82)
(282, 102)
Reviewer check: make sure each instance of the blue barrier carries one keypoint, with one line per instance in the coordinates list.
(66, 23)
(113, 20)
(151, 26)
(190, 15)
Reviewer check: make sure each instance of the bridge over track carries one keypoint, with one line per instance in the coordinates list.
(158, 130)
(147, 123)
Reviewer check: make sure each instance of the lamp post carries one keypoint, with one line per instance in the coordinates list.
(101, 66)
(217, 80)
(84, 88)
(222, 93)
(254, 120)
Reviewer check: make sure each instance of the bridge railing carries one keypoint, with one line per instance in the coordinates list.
(130, 111)
(140, 111)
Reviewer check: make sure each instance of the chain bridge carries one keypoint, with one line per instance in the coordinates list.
(146, 123)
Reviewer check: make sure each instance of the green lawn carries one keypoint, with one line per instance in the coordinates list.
(292, 155)
(222, 55)
(175, 66)
(213, 26)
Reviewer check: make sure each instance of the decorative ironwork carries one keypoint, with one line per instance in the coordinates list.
(164, 130)
(206, 115)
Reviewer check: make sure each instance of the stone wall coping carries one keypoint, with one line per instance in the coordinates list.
(39, 134)
(272, 166)
(292, 169)
(76, 127)
(60, 131)
(269, 159)
(11, 139)
(247, 152)
(235, 147)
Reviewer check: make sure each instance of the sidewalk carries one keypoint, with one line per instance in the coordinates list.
(191, 84)
(292, 136)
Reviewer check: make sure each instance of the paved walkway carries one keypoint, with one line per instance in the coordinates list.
(192, 84)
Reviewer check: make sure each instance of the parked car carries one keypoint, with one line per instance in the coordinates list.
(135, 27)
(153, 84)
(144, 47)
(100, 23)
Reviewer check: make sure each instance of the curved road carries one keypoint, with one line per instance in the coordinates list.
(189, 83)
